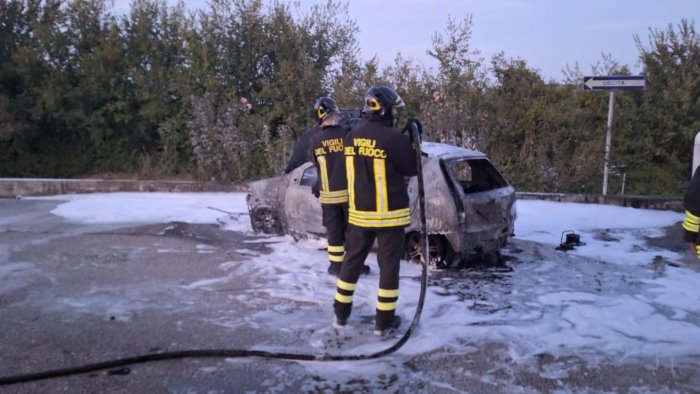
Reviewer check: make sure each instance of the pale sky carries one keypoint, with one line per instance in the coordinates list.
(548, 34)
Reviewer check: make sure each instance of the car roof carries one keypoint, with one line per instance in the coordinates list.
(446, 151)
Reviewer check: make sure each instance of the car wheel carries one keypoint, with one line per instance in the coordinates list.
(265, 220)
(440, 255)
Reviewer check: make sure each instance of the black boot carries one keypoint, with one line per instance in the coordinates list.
(382, 332)
(334, 269)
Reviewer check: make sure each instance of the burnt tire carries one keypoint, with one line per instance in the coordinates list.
(440, 250)
(265, 220)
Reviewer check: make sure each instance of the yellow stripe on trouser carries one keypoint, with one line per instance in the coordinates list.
(335, 253)
(691, 222)
(386, 299)
(346, 285)
(697, 250)
(345, 299)
(386, 306)
(388, 293)
(334, 258)
(344, 291)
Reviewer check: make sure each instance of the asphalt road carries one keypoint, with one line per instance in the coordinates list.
(74, 294)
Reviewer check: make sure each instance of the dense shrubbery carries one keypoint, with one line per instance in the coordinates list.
(223, 93)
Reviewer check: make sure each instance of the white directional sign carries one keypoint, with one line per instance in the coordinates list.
(615, 82)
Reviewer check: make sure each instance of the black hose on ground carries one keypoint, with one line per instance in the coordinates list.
(237, 353)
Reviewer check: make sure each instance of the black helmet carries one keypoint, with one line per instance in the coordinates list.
(323, 106)
(380, 99)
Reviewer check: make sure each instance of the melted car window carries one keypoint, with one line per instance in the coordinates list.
(475, 175)
(310, 177)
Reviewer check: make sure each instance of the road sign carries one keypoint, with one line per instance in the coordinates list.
(615, 82)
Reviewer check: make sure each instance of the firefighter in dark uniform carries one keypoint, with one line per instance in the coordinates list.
(326, 152)
(378, 158)
(301, 148)
(691, 202)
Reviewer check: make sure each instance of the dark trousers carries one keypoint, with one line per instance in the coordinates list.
(390, 249)
(335, 219)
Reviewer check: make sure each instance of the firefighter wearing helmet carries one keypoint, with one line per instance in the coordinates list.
(378, 157)
(326, 152)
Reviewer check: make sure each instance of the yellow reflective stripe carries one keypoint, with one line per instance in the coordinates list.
(337, 200)
(323, 169)
(380, 223)
(343, 298)
(343, 196)
(380, 185)
(380, 215)
(337, 193)
(388, 293)
(383, 306)
(693, 228)
(335, 258)
(691, 222)
(336, 197)
(346, 286)
(399, 217)
(350, 175)
(336, 249)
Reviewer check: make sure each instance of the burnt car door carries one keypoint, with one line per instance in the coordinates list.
(302, 209)
(485, 204)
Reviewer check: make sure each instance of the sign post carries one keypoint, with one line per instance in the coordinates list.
(696, 153)
(612, 83)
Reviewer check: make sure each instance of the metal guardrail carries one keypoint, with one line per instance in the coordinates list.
(646, 202)
(14, 187)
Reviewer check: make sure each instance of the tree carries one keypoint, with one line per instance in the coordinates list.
(409, 80)
(522, 132)
(669, 111)
(15, 32)
(455, 109)
(157, 74)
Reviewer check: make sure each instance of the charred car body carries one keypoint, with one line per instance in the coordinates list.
(470, 207)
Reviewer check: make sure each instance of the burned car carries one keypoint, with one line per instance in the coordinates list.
(470, 207)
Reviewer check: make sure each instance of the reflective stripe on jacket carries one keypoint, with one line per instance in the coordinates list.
(377, 160)
(326, 151)
(691, 202)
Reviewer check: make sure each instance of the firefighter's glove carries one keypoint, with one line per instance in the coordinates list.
(411, 124)
(314, 190)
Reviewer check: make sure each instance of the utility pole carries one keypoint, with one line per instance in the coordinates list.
(696, 154)
(608, 142)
